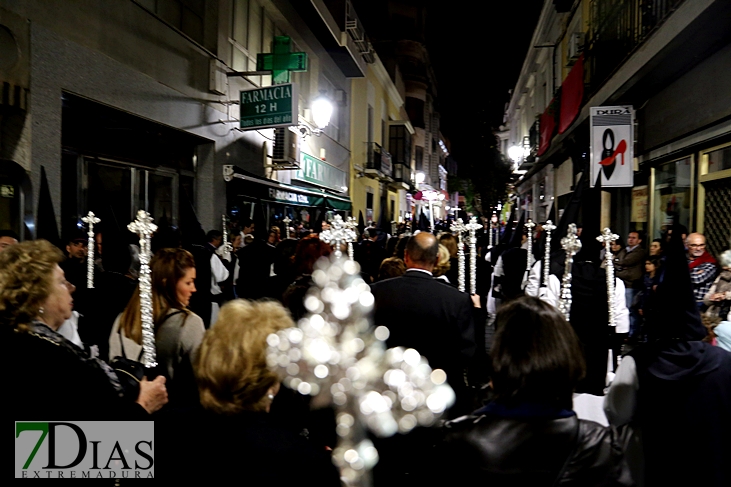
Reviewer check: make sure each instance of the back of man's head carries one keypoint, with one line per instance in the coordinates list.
(213, 235)
(422, 250)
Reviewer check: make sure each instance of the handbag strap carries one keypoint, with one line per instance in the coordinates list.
(121, 345)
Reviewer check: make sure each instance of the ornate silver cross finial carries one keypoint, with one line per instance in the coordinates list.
(571, 244)
(90, 219)
(459, 228)
(337, 234)
(606, 238)
(144, 227)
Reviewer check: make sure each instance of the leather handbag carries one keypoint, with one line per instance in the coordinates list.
(130, 372)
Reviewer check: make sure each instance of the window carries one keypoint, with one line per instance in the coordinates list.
(672, 195)
(419, 156)
(185, 15)
(252, 32)
(719, 160)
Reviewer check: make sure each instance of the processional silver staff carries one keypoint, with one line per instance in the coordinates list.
(226, 246)
(473, 226)
(571, 244)
(352, 235)
(286, 220)
(459, 228)
(144, 227)
(90, 220)
(606, 238)
(530, 225)
(548, 228)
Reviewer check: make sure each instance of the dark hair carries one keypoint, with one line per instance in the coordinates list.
(654, 260)
(423, 254)
(391, 267)
(401, 246)
(213, 234)
(536, 356)
(246, 222)
(9, 233)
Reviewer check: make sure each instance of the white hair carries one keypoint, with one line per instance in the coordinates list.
(725, 259)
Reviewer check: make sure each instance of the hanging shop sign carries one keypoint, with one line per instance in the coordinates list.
(272, 106)
(611, 147)
(316, 171)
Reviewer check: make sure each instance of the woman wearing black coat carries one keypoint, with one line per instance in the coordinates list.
(529, 434)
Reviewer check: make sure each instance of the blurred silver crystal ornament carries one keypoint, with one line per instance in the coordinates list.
(548, 228)
(338, 234)
(530, 225)
(144, 228)
(606, 238)
(571, 244)
(472, 227)
(336, 355)
(351, 235)
(458, 227)
(90, 219)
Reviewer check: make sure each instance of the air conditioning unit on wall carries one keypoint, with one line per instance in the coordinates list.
(576, 47)
(286, 151)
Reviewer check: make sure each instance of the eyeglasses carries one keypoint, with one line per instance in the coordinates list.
(699, 246)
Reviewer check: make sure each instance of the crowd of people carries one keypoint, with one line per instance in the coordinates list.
(518, 366)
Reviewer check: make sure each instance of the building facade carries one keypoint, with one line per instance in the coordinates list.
(668, 61)
(119, 106)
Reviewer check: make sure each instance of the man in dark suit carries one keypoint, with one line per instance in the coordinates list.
(429, 316)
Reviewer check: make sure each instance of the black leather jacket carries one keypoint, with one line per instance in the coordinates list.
(499, 451)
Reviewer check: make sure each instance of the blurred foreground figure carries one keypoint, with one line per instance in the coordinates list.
(529, 434)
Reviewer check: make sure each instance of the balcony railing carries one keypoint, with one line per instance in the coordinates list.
(379, 159)
(617, 28)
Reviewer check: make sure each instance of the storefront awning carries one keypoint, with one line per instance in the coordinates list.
(242, 183)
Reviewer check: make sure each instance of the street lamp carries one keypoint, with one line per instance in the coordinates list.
(419, 177)
(322, 110)
(515, 153)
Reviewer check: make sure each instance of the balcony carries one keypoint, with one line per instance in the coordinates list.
(618, 28)
(378, 162)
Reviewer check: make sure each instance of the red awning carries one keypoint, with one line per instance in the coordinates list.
(548, 127)
(572, 94)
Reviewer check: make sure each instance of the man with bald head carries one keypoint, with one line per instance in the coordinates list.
(702, 266)
(429, 315)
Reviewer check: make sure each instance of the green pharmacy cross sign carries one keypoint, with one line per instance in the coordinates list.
(281, 61)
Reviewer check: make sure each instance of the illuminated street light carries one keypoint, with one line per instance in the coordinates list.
(515, 153)
(419, 177)
(322, 110)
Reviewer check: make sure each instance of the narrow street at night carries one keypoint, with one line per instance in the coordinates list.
(367, 243)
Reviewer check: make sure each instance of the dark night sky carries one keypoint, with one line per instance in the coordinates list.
(477, 48)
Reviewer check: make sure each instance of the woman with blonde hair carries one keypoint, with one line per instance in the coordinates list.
(178, 331)
(443, 265)
(451, 243)
(236, 392)
(50, 376)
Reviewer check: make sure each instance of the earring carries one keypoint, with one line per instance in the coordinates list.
(41, 310)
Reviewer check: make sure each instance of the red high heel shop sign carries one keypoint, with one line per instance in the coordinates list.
(611, 147)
